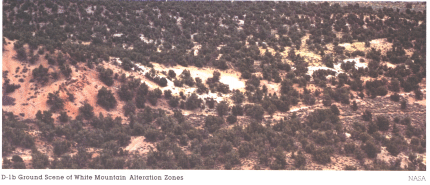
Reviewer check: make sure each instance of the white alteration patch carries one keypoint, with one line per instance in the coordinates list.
(348, 135)
(297, 109)
(117, 35)
(357, 65)
(144, 39)
(118, 60)
(273, 86)
(241, 22)
(144, 68)
(232, 82)
(337, 69)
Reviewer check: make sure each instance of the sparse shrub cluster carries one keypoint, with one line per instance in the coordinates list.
(152, 75)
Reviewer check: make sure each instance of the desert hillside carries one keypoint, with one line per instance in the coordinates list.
(214, 85)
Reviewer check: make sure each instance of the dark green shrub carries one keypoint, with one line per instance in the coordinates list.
(106, 75)
(39, 160)
(167, 94)
(348, 167)
(372, 128)
(63, 117)
(323, 119)
(183, 140)
(238, 97)
(255, 111)
(152, 134)
(382, 91)
(232, 119)
(141, 93)
(349, 148)
(222, 108)
(415, 141)
(193, 102)
(359, 154)
(17, 159)
(162, 82)
(365, 137)
(359, 127)
(308, 99)
(106, 99)
(209, 163)
(71, 97)
(9, 88)
(41, 74)
(213, 123)
(237, 110)
(227, 166)
(322, 155)
(383, 123)
(354, 106)
(371, 149)
(129, 108)
(153, 96)
(396, 120)
(395, 97)
(55, 101)
(403, 104)
(140, 101)
(406, 121)
(174, 102)
(172, 74)
(394, 85)
(125, 93)
(395, 145)
(86, 111)
(66, 70)
(418, 94)
(226, 146)
(21, 54)
(216, 76)
(279, 162)
(61, 147)
(335, 110)
(367, 115)
(210, 102)
(126, 64)
(142, 89)
(299, 160)
(244, 149)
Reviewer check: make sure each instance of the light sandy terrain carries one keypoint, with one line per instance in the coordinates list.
(21, 94)
(138, 143)
(228, 77)
(81, 84)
